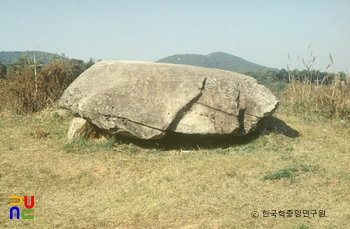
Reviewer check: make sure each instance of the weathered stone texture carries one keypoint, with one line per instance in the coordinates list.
(145, 100)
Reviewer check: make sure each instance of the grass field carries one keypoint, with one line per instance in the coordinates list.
(178, 185)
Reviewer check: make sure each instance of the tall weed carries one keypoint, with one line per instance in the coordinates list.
(331, 101)
(310, 92)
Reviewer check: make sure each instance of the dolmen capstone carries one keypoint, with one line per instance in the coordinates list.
(146, 100)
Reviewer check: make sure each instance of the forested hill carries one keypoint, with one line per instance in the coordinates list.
(43, 57)
(218, 60)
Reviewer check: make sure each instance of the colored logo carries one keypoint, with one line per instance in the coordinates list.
(27, 213)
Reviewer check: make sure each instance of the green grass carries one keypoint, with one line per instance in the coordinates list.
(288, 173)
(302, 226)
(2, 124)
(283, 173)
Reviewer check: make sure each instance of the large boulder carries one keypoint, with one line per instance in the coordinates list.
(145, 100)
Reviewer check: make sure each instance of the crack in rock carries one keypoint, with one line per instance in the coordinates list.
(145, 100)
(215, 109)
(181, 113)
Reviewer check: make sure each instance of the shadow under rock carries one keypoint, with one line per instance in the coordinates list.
(274, 125)
(176, 141)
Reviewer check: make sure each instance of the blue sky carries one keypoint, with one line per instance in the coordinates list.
(261, 31)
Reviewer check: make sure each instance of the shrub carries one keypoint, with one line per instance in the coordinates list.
(20, 91)
(24, 92)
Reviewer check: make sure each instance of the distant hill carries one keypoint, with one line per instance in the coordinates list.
(43, 57)
(218, 60)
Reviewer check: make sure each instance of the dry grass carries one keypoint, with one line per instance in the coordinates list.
(127, 186)
(332, 101)
(310, 92)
